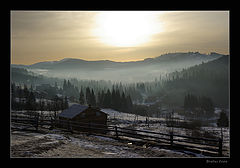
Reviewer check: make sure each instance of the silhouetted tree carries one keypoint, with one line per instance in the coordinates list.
(92, 99)
(13, 96)
(65, 102)
(223, 119)
(107, 99)
(129, 104)
(123, 106)
(30, 102)
(88, 95)
(81, 97)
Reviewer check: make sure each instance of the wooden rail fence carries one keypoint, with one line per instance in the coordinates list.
(171, 140)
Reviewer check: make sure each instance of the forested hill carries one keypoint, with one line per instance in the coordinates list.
(209, 79)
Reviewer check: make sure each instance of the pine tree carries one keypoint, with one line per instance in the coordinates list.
(68, 84)
(65, 102)
(92, 99)
(129, 104)
(114, 99)
(107, 99)
(88, 96)
(25, 92)
(81, 97)
(13, 96)
(41, 104)
(123, 103)
(102, 99)
(117, 100)
(20, 96)
(99, 99)
(223, 120)
(64, 85)
(30, 102)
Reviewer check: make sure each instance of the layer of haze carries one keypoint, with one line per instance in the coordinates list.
(38, 36)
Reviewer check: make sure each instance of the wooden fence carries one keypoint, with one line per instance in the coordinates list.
(208, 146)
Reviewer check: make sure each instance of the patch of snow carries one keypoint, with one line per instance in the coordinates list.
(195, 154)
(167, 150)
(56, 136)
(104, 138)
(109, 153)
(52, 142)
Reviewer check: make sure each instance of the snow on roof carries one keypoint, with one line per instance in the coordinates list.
(72, 111)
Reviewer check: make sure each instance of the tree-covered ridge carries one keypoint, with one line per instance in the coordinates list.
(207, 79)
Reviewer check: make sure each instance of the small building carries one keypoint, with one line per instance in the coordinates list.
(83, 118)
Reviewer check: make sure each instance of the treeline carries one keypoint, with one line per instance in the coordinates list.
(29, 99)
(24, 98)
(106, 99)
(199, 105)
(71, 87)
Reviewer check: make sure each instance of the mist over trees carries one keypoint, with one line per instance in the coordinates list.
(199, 88)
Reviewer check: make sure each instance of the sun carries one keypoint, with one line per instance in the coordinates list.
(125, 29)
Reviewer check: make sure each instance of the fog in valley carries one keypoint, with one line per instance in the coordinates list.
(126, 72)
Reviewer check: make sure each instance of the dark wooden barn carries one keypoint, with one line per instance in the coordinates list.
(83, 118)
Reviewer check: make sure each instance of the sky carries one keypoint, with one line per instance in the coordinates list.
(38, 36)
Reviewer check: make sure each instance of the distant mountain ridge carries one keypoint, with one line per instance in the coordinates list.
(133, 71)
(73, 63)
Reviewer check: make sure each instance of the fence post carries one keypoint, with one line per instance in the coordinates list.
(116, 132)
(51, 123)
(171, 138)
(220, 146)
(89, 128)
(68, 125)
(37, 118)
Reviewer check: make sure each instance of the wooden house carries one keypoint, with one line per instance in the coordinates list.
(83, 118)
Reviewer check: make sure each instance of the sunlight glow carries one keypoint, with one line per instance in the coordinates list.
(126, 29)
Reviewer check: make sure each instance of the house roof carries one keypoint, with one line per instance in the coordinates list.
(72, 111)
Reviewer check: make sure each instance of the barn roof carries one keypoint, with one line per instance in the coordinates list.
(72, 111)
